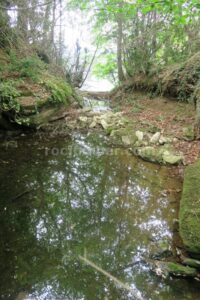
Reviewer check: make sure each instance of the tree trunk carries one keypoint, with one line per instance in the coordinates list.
(60, 50)
(23, 20)
(52, 38)
(121, 76)
(46, 25)
(197, 121)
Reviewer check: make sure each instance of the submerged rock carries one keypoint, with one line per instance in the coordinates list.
(161, 250)
(191, 262)
(189, 214)
(165, 269)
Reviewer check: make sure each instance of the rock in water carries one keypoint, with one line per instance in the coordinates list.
(150, 154)
(165, 269)
(189, 213)
(172, 159)
(187, 261)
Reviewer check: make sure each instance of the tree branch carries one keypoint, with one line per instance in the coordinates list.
(25, 8)
(90, 66)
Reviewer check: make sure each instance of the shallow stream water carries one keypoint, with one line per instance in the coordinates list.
(66, 197)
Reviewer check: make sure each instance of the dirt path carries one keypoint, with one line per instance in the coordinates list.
(169, 116)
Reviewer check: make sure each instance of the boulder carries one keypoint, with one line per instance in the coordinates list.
(150, 153)
(170, 158)
(188, 133)
(187, 261)
(189, 213)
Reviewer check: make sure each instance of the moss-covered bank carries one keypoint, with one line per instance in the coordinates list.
(190, 210)
(30, 92)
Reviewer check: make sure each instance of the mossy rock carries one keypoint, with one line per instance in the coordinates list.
(171, 159)
(129, 140)
(187, 261)
(40, 119)
(165, 269)
(188, 133)
(150, 153)
(190, 210)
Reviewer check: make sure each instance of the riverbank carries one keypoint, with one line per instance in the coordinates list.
(148, 126)
(124, 129)
(156, 129)
(32, 92)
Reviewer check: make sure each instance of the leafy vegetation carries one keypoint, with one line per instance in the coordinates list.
(143, 35)
(27, 67)
(60, 90)
(8, 95)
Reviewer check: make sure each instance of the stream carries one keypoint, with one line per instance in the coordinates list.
(66, 197)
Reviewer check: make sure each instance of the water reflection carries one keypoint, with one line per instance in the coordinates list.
(93, 198)
(96, 105)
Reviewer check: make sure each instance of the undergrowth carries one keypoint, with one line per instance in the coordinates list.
(28, 67)
(61, 91)
(8, 95)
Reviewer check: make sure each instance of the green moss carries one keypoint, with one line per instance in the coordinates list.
(188, 133)
(190, 209)
(28, 67)
(61, 91)
(151, 154)
(37, 120)
(180, 270)
(191, 262)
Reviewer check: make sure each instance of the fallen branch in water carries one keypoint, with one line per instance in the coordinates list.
(132, 290)
(20, 195)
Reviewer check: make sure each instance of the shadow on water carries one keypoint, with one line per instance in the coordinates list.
(61, 198)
